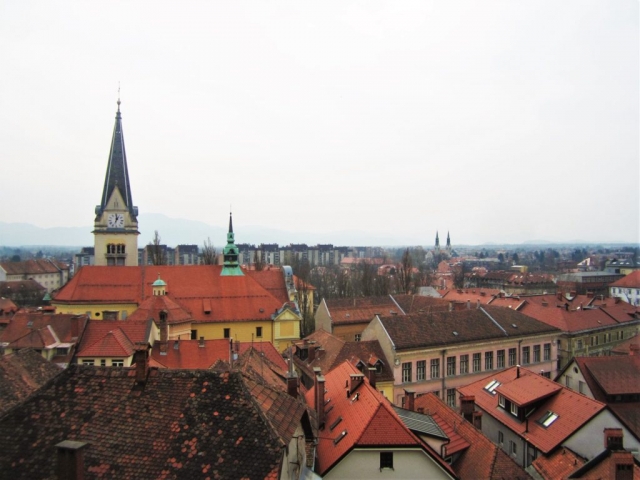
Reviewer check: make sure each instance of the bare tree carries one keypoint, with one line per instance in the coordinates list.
(405, 275)
(157, 251)
(209, 254)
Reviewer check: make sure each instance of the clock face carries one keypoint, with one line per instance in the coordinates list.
(115, 220)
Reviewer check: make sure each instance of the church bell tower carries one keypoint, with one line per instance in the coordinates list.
(116, 224)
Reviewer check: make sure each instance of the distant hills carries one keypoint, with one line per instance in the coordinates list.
(174, 231)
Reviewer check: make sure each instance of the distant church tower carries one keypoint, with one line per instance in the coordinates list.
(231, 266)
(115, 231)
(448, 244)
(437, 242)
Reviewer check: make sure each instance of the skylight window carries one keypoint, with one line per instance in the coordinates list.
(491, 386)
(548, 418)
(335, 424)
(340, 437)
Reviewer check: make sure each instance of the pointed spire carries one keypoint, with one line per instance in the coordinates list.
(448, 239)
(117, 173)
(231, 253)
(437, 239)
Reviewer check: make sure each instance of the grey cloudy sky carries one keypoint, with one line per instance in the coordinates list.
(501, 121)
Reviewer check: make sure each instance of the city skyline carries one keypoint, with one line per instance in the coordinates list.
(499, 122)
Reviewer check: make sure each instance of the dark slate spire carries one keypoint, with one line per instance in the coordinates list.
(117, 173)
(437, 239)
(448, 240)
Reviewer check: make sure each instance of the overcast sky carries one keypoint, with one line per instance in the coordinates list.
(499, 121)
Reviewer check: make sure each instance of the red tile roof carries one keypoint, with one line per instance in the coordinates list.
(179, 424)
(152, 306)
(334, 351)
(558, 465)
(7, 306)
(112, 338)
(38, 330)
(631, 280)
(232, 298)
(191, 355)
(571, 315)
(33, 267)
(572, 408)
(21, 373)
(528, 389)
(614, 375)
(367, 418)
(480, 457)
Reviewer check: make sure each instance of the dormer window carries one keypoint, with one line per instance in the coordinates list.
(548, 418)
(514, 409)
(501, 401)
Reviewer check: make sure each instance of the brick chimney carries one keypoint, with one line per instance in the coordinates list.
(292, 377)
(164, 333)
(312, 353)
(201, 342)
(71, 460)
(467, 407)
(319, 397)
(355, 380)
(410, 400)
(141, 359)
(371, 376)
(477, 420)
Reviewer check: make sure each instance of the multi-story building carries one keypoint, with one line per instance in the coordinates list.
(627, 288)
(49, 273)
(530, 416)
(443, 351)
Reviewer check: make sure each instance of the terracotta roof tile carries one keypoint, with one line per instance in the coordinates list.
(558, 465)
(38, 330)
(631, 280)
(433, 329)
(21, 373)
(112, 338)
(366, 417)
(572, 408)
(232, 298)
(191, 355)
(181, 424)
(481, 458)
(33, 267)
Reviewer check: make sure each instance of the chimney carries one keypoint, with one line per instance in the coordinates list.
(312, 353)
(292, 384)
(616, 300)
(319, 397)
(467, 406)
(589, 294)
(141, 359)
(468, 304)
(613, 439)
(71, 460)
(478, 305)
(371, 375)
(176, 344)
(410, 399)
(634, 348)
(201, 342)
(355, 380)
(517, 371)
(559, 295)
(292, 377)
(477, 420)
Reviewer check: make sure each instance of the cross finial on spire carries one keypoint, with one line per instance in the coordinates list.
(118, 96)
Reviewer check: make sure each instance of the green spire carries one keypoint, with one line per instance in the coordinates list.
(231, 253)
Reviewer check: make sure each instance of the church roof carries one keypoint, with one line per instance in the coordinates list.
(117, 173)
